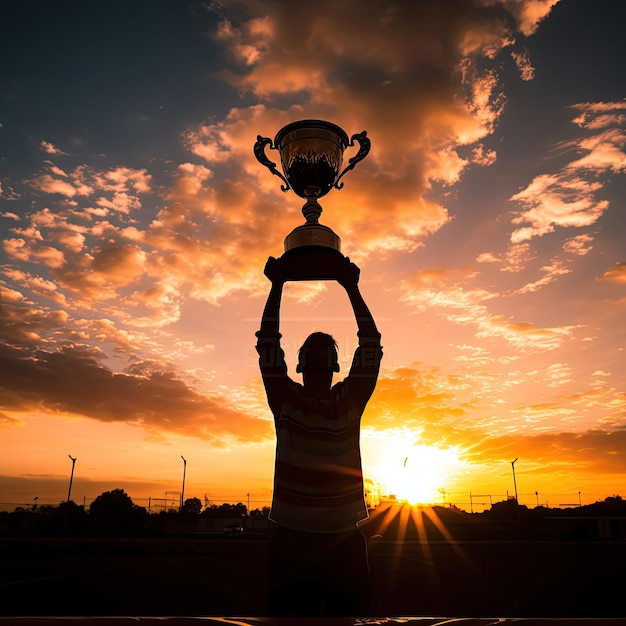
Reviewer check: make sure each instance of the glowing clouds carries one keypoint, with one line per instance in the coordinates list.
(529, 13)
(616, 274)
(569, 196)
(72, 381)
(407, 74)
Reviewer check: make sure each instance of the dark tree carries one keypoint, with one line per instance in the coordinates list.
(263, 513)
(192, 506)
(225, 510)
(71, 515)
(113, 510)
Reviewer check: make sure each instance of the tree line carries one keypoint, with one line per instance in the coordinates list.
(114, 511)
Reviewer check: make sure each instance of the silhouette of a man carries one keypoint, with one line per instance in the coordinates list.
(318, 556)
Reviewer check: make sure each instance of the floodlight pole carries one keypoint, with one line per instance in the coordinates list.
(69, 491)
(514, 481)
(182, 492)
(517, 507)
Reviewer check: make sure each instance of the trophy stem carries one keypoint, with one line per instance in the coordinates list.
(312, 211)
(312, 233)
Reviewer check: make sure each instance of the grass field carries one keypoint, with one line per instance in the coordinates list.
(216, 575)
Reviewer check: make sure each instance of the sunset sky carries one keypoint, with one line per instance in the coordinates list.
(488, 222)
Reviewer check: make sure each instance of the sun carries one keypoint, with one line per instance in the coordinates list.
(413, 472)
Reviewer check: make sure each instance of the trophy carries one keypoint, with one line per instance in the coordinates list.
(311, 155)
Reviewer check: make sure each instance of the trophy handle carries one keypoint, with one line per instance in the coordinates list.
(259, 153)
(364, 148)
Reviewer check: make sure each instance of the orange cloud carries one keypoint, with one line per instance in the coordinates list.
(460, 305)
(579, 245)
(560, 265)
(123, 179)
(605, 152)
(557, 200)
(524, 335)
(72, 381)
(96, 275)
(46, 146)
(83, 181)
(522, 60)
(550, 272)
(482, 156)
(439, 277)
(48, 184)
(37, 285)
(21, 250)
(529, 13)
(569, 197)
(597, 115)
(580, 454)
(24, 324)
(616, 274)
(121, 202)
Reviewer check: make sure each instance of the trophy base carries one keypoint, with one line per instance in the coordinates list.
(313, 262)
(312, 235)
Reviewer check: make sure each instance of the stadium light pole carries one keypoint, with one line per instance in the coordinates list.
(182, 492)
(514, 481)
(69, 491)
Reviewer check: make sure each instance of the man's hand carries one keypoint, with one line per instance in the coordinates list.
(348, 274)
(275, 270)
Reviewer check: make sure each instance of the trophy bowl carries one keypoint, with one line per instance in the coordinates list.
(311, 153)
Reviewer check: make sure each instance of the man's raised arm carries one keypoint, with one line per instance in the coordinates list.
(271, 356)
(366, 362)
(270, 319)
(348, 278)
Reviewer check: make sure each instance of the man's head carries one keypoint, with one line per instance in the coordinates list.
(317, 354)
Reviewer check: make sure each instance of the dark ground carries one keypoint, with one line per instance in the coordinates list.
(226, 576)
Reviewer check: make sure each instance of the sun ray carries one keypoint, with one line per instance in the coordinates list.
(418, 519)
(441, 527)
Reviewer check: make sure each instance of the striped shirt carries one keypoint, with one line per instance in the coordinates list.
(318, 481)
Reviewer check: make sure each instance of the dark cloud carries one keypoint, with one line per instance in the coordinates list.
(590, 452)
(71, 380)
(25, 324)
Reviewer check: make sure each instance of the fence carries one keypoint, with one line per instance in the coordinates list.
(470, 502)
(151, 504)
